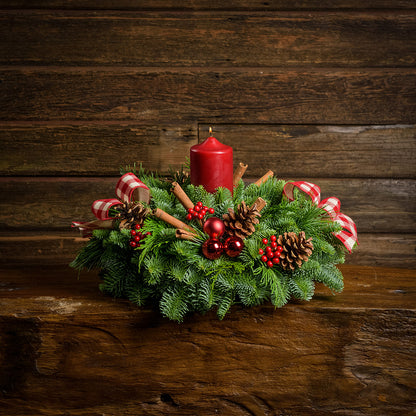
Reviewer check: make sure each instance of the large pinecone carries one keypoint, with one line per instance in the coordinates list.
(130, 214)
(241, 223)
(296, 250)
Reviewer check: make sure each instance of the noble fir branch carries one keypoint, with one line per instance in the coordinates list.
(301, 286)
(89, 257)
(173, 303)
(225, 304)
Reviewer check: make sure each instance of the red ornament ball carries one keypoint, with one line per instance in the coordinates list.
(233, 246)
(212, 249)
(214, 227)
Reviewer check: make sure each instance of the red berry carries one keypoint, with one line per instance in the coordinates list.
(270, 263)
(137, 226)
(203, 212)
(137, 238)
(264, 258)
(279, 248)
(133, 243)
(197, 208)
(133, 232)
(195, 214)
(199, 204)
(273, 244)
(190, 210)
(270, 254)
(211, 210)
(273, 238)
(148, 233)
(265, 241)
(200, 215)
(276, 260)
(277, 253)
(189, 217)
(261, 251)
(268, 249)
(204, 208)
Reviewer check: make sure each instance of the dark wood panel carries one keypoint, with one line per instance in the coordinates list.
(70, 349)
(209, 4)
(93, 149)
(246, 96)
(286, 39)
(314, 151)
(322, 151)
(379, 205)
(388, 250)
(57, 248)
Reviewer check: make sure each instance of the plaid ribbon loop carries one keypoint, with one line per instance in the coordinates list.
(348, 235)
(128, 188)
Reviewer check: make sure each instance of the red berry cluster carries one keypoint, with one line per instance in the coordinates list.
(271, 254)
(137, 236)
(199, 211)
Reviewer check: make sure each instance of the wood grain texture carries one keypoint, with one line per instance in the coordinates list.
(93, 149)
(181, 5)
(53, 203)
(315, 151)
(238, 96)
(322, 151)
(60, 247)
(69, 349)
(287, 39)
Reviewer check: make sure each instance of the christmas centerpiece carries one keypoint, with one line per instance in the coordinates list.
(206, 240)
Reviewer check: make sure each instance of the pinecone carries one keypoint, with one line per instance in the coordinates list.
(130, 213)
(241, 223)
(296, 249)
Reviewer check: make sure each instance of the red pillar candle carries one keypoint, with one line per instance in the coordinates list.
(212, 164)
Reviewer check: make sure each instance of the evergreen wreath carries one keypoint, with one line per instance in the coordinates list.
(174, 273)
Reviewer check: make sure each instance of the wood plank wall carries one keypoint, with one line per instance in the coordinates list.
(323, 91)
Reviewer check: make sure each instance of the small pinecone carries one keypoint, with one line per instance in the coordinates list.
(131, 213)
(241, 223)
(296, 250)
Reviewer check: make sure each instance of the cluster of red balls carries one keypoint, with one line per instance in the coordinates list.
(137, 236)
(271, 254)
(199, 211)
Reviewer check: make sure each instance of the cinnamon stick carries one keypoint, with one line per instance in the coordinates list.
(264, 178)
(260, 203)
(181, 195)
(164, 216)
(185, 235)
(239, 172)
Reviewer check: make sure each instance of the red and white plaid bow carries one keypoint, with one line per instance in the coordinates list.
(128, 188)
(332, 205)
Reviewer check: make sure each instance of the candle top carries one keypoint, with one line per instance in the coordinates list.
(211, 144)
